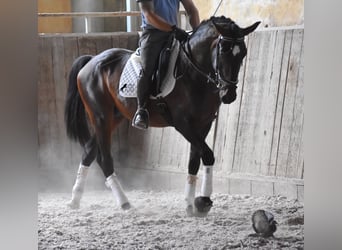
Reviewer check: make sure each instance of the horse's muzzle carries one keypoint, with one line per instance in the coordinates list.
(228, 96)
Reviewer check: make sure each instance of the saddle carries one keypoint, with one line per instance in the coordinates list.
(163, 79)
(162, 66)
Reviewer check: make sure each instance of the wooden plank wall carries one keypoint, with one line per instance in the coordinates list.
(263, 129)
(260, 134)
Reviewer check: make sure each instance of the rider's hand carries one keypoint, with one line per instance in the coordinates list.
(180, 35)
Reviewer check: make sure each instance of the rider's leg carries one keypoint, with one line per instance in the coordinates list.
(141, 117)
(151, 44)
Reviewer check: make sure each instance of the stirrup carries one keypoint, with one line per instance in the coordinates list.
(140, 119)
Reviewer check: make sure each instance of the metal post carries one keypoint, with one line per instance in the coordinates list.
(86, 25)
(128, 18)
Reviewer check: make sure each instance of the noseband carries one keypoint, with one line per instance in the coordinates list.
(220, 83)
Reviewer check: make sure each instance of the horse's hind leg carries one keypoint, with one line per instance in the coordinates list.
(93, 86)
(89, 154)
(105, 160)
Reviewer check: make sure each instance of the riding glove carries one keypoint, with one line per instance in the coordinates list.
(180, 35)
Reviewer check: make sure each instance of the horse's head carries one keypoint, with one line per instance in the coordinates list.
(227, 55)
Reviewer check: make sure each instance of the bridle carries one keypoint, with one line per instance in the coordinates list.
(220, 83)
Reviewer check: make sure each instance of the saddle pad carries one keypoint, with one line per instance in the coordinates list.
(130, 75)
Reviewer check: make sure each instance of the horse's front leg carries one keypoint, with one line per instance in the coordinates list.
(190, 185)
(201, 205)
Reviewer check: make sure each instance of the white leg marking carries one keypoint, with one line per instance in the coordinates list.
(113, 183)
(190, 190)
(207, 181)
(78, 188)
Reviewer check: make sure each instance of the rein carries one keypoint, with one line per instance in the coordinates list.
(220, 83)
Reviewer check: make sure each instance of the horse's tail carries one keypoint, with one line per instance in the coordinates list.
(74, 112)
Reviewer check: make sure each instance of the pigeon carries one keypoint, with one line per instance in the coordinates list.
(264, 223)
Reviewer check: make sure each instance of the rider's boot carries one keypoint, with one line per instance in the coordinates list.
(141, 117)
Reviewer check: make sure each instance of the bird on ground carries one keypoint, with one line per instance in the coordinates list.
(263, 223)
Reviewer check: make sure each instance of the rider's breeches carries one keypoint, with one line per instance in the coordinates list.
(151, 44)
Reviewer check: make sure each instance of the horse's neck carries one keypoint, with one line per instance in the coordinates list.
(201, 51)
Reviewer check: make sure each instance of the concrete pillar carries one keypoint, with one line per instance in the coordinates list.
(95, 24)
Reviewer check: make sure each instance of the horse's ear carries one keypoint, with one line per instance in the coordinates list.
(250, 29)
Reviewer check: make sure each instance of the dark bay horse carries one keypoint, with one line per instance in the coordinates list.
(208, 65)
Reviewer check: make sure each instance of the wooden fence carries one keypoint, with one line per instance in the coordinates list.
(257, 140)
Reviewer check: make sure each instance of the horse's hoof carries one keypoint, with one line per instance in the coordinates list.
(193, 212)
(126, 206)
(73, 205)
(200, 214)
(203, 204)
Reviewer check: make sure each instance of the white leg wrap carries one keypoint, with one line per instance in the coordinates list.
(207, 181)
(190, 189)
(113, 183)
(78, 188)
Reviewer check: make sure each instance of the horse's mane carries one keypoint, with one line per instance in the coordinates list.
(214, 20)
(202, 23)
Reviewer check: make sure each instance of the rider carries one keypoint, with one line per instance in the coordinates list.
(159, 21)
